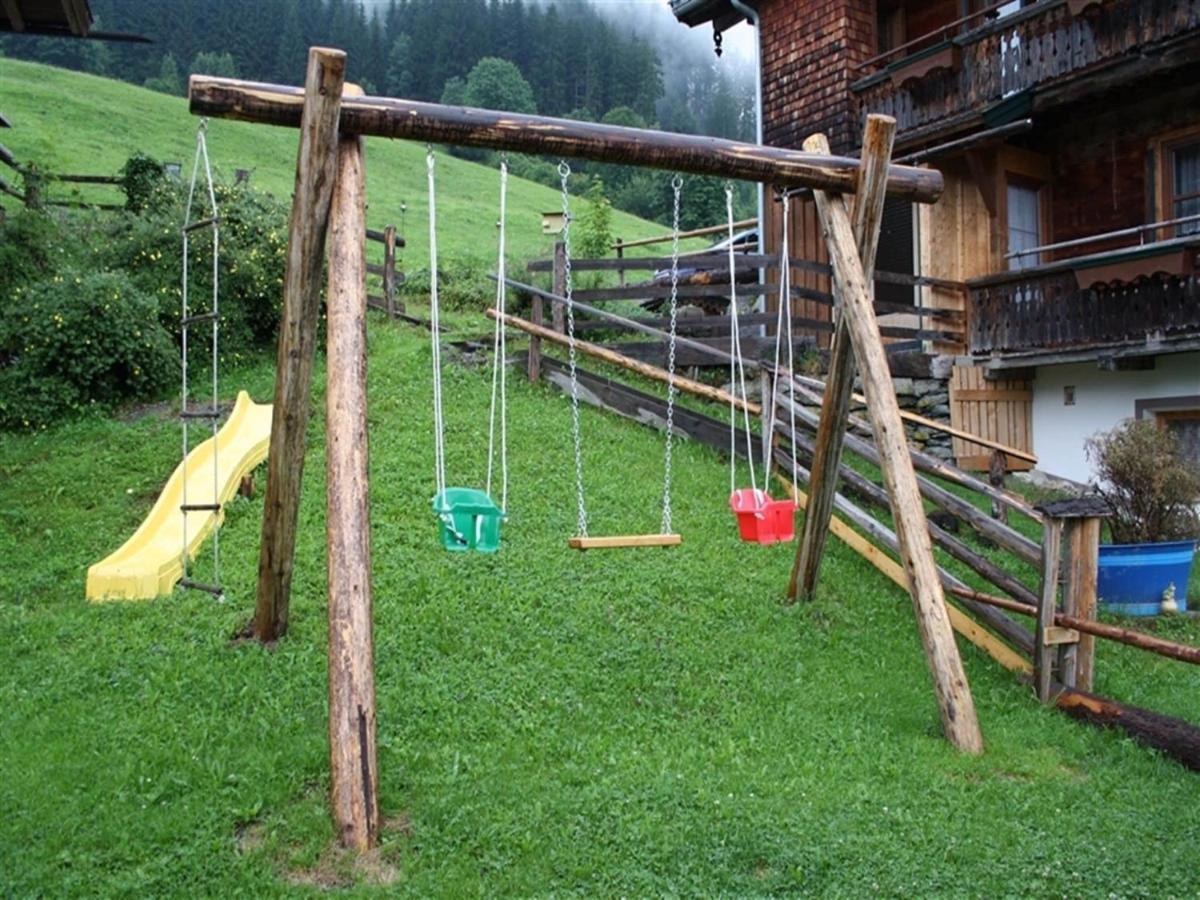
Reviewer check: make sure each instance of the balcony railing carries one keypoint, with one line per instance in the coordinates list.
(1123, 299)
(965, 75)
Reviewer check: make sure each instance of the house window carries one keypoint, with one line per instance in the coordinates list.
(1184, 424)
(1024, 212)
(1182, 183)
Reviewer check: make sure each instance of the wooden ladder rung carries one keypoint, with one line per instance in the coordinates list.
(628, 540)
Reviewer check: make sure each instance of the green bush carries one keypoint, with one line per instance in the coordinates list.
(463, 285)
(79, 341)
(253, 252)
(29, 243)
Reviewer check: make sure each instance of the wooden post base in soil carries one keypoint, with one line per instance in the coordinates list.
(316, 166)
(353, 773)
(955, 704)
(839, 387)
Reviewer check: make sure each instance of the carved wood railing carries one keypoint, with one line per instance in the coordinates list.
(1000, 60)
(1046, 309)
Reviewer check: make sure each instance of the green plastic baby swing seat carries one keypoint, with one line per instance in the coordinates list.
(468, 520)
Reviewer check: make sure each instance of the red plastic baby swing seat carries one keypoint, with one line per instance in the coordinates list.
(762, 520)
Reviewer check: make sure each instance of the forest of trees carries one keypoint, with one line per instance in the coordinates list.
(564, 59)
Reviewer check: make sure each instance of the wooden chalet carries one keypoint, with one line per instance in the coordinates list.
(1068, 237)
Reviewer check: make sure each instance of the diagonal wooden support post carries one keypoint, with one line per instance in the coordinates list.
(955, 704)
(835, 407)
(316, 169)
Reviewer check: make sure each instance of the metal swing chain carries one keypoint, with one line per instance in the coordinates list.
(499, 352)
(213, 221)
(564, 172)
(677, 187)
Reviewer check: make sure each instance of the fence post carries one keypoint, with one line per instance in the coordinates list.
(389, 270)
(1075, 524)
(559, 283)
(535, 343)
(621, 256)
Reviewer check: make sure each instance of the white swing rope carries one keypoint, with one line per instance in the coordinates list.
(783, 326)
(737, 370)
(564, 172)
(677, 188)
(439, 443)
(201, 157)
(499, 354)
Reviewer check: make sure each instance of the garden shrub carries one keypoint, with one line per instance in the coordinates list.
(463, 285)
(1150, 489)
(253, 253)
(30, 240)
(79, 341)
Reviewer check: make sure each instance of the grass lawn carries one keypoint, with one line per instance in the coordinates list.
(625, 723)
(69, 122)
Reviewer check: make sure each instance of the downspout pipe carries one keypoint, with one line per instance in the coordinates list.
(751, 15)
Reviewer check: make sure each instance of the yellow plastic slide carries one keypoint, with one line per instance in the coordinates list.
(148, 564)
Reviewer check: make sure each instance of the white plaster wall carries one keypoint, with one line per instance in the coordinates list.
(1102, 399)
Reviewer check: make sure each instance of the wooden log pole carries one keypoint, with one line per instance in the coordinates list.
(835, 407)
(231, 98)
(953, 693)
(353, 772)
(316, 167)
(1159, 646)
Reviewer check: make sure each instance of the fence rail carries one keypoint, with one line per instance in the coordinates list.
(705, 283)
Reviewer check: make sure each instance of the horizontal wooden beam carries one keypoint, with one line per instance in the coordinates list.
(274, 104)
(629, 540)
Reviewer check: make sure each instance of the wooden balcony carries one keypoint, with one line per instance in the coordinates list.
(1136, 301)
(993, 72)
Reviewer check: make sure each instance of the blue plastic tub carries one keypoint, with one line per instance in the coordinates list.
(1132, 577)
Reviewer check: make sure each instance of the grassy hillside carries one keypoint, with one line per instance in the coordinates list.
(81, 124)
(636, 723)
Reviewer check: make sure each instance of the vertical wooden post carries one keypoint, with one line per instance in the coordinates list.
(316, 166)
(1043, 647)
(1079, 600)
(389, 270)
(559, 284)
(621, 256)
(955, 703)
(835, 406)
(353, 773)
(535, 343)
(997, 468)
(1077, 523)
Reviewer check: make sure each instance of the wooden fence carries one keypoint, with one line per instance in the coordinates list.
(32, 192)
(704, 284)
(391, 277)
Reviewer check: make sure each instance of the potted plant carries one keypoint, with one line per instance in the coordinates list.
(1153, 496)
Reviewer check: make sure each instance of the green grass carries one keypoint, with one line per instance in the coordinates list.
(81, 124)
(630, 723)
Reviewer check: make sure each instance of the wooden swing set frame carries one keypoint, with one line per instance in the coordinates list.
(328, 213)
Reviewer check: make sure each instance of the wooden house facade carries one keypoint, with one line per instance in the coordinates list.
(1068, 132)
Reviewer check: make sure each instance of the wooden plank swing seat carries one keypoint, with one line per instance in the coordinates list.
(627, 540)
